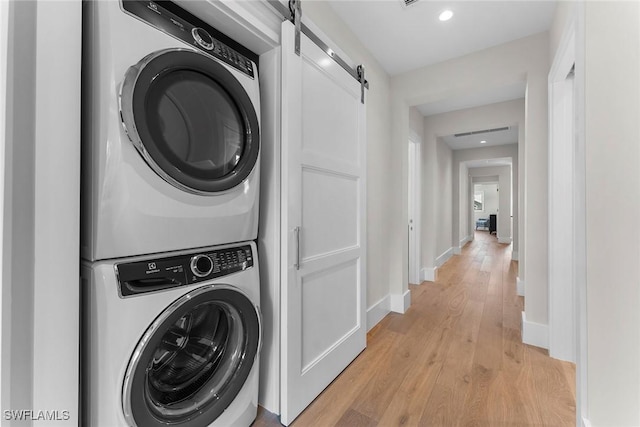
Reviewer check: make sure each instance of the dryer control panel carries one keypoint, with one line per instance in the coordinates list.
(177, 22)
(156, 274)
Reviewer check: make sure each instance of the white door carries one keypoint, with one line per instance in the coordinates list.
(323, 223)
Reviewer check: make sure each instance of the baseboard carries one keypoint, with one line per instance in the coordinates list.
(429, 274)
(377, 311)
(514, 255)
(519, 287)
(444, 257)
(505, 240)
(457, 250)
(535, 334)
(400, 303)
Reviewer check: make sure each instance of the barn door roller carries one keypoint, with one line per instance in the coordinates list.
(294, 14)
(295, 7)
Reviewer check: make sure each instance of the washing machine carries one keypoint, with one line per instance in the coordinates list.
(172, 340)
(170, 128)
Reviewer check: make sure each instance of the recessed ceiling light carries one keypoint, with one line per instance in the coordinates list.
(446, 15)
(483, 142)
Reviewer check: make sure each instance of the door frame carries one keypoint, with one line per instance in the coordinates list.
(4, 68)
(567, 302)
(562, 209)
(414, 206)
(40, 204)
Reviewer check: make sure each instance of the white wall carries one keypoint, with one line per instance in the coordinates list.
(535, 238)
(416, 129)
(57, 218)
(431, 188)
(465, 205)
(269, 229)
(444, 198)
(18, 210)
(568, 27)
(437, 170)
(612, 139)
(565, 12)
(416, 122)
(380, 172)
(40, 246)
(608, 105)
(4, 43)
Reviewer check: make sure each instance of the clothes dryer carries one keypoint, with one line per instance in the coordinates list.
(171, 138)
(172, 340)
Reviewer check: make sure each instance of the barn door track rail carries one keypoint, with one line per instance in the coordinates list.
(294, 15)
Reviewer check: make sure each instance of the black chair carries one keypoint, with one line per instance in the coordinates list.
(493, 224)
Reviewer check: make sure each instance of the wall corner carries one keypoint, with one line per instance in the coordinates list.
(535, 334)
(519, 287)
(378, 311)
(429, 274)
(400, 303)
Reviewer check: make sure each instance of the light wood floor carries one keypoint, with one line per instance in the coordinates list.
(455, 358)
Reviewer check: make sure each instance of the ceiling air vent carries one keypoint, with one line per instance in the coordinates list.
(407, 3)
(477, 132)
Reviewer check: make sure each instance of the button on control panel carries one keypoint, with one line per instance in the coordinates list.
(232, 260)
(163, 273)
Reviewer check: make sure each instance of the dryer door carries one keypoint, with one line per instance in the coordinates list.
(193, 360)
(191, 120)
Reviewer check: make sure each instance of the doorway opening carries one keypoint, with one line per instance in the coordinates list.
(486, 206)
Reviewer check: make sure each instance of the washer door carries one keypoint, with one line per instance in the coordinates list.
(191, 120)
(193, 360)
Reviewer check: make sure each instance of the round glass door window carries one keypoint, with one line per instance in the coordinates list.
(193, 360)
(191, 120)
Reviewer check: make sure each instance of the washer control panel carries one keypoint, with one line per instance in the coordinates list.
(177, 22)
(162, 273)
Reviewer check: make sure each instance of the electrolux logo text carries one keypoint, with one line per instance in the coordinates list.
(32, 415)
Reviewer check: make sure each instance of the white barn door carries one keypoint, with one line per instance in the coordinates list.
(323, 222)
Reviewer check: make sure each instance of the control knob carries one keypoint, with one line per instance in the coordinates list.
(203, 38)
(201, 265)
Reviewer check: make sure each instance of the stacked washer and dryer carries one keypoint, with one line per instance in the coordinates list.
(171, 321)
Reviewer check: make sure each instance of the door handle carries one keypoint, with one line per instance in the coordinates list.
(296, 234)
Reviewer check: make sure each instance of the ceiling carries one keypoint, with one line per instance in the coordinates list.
(509, 136)
(477, 99)
(406, 38)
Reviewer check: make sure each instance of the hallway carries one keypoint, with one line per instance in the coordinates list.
(454, 358)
